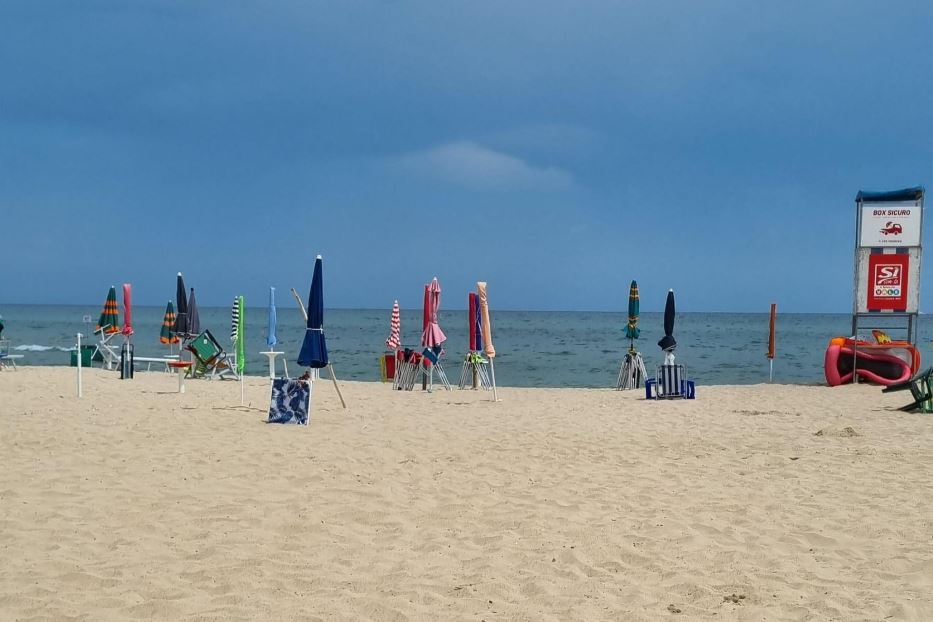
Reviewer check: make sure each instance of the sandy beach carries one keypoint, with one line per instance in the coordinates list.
(749, 503)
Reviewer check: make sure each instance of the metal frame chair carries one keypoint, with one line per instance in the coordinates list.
(670, 382)
(211, 359)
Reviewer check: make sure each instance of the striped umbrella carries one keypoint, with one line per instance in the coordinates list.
(127, 308)
(631, 329)
(433, 336)
(110, 315)
(270, 333)
(167, 334)
(241, 338)
(395, 329)
(235, 320)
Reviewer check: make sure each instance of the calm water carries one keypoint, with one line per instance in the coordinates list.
(535, 349)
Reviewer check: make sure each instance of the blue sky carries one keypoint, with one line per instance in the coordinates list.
(555, 150)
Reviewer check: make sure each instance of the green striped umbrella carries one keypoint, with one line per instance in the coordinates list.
(109, 321)
(241, 338)
(631, 329)
(167, 335)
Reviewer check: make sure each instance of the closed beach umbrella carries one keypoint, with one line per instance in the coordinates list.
(471, 320)
(433, 336)
(270, 332)
(488, 348)
(181, 301)
(127, 310)
(631, 329)
(235, 320)
(241, 337)
(771, 342)
(314, 348)
(667, 342)
(109, 321)
(194, 319)
(395, 329)
(167, 334)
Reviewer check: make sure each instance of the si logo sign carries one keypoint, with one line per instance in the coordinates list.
(887, 282)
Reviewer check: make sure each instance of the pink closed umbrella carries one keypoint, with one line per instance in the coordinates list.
(127, 307)
(433, 336)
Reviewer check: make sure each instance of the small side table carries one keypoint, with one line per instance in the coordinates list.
(181, 368)
(272, 356)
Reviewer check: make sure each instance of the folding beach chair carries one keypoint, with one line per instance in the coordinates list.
(670, 382)
(431, 366)
(5, 357)
(475, 372)
(211, 360)
(291, 401)
(108, 350)
(921, 388)
(408, 364)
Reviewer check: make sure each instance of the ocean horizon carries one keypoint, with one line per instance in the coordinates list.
(573, 349)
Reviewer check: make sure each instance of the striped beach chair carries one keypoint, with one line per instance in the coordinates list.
(670, 382)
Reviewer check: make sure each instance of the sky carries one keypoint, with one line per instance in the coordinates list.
(556, 150)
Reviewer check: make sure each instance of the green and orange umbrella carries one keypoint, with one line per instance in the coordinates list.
(167, 335)
(109, 321)
(631, 329)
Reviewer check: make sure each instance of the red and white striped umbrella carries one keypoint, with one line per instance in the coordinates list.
(395, 329)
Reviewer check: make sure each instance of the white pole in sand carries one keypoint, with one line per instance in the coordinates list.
(492, 373)
(241, 388)
(80, 391)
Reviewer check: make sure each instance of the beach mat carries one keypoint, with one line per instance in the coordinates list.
(291, 401)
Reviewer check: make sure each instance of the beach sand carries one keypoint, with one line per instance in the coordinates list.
(762, 502)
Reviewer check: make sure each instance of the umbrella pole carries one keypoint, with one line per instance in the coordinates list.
(333, 377)
(241, 389)
(492, 372)
(80, 392)
(771, 370)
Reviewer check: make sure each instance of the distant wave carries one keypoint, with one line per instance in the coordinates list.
(35, 348)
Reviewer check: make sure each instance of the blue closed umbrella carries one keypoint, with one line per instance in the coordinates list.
(194, 318)
(270, 333)
(667, 342)
(181, 301)
(314, 348)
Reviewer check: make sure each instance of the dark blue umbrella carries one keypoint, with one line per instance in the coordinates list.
(194, 319)
(667, 342)
(181, 301)
(314, 348)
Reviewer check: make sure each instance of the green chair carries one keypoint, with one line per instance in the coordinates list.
(211, 360)
(921, 388)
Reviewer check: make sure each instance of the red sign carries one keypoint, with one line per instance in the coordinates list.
(887, 282)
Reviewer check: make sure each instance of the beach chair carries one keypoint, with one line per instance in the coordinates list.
(408, 364)
(921, 388)
(291, 401)
(5, 357)
(108, 350)
(474, 373)
(670, 382)
(431, 366)
(211, 360)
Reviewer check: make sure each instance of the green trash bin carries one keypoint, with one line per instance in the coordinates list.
(87, 354)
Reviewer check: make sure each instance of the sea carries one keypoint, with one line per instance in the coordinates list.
(533, 348)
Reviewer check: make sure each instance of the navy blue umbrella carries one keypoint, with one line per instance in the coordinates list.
(194, 318)
(314, 348)
(667, 342)
(181, 302)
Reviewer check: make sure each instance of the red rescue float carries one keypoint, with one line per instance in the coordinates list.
(885, 363)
